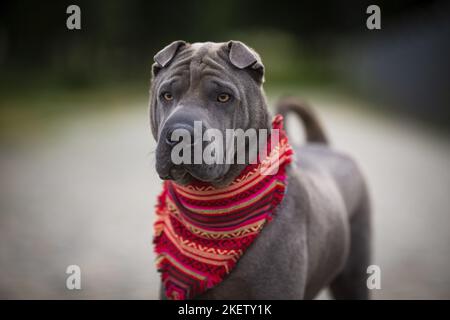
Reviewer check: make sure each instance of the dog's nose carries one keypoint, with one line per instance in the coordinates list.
(187, 131)
(169, 140)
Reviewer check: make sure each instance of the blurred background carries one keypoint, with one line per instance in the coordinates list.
(77, 179)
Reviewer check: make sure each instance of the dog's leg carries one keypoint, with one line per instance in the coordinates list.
(351, 281)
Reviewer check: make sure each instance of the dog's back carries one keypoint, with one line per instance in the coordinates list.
(323, 168)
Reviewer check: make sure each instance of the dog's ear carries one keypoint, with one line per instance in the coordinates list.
(163, 57)
(243, 57)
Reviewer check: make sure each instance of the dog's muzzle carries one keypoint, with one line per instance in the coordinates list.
(179, 131)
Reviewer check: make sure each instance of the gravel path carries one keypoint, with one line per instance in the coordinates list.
(84, 195)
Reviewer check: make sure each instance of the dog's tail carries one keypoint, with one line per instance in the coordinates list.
(313, 129)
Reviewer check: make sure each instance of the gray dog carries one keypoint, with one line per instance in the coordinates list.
(321, 233)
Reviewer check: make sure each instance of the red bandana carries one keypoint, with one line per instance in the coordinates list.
(202, 231)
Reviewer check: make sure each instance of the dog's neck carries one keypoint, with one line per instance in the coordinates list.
(270, 164)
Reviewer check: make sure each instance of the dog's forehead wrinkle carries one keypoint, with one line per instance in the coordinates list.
(182, 62)
(199, 60)
(199, 63)
(214, 62)
(180, 66)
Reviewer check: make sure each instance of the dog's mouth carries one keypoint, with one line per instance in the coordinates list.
(187, 174)
(175, 173)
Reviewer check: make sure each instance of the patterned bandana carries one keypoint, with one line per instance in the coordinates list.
(202, 231)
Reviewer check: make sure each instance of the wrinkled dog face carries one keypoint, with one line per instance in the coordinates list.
(219, 84)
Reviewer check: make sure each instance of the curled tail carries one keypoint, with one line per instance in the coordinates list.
(313, 129)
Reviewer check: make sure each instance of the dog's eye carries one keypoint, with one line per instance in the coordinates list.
(167, 96)
(223, 97)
